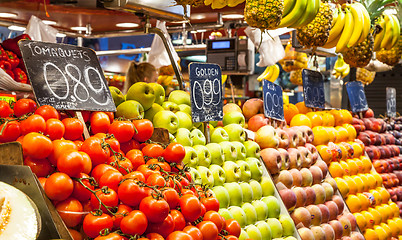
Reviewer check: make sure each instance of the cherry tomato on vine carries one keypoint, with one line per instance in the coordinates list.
(42, 181)
(163, 228)
(174, 152)
(190, 207)
(130, 193)
(47, 112)
(11, 132)
(59, 147)
(208, 229)
(75, 234)
(93, 224)
(123, 131)
(111, 179)
(87, 162)
(210, 203)
(24, 106)
(156, 179)
(127, 146)
(81, 193)
(5, 109)
(70, 210)
(55, 128)
(134, 223)
(34, 123)
(231, 237)
(37, 145)
(144, 169)
(155, 236)
(122, 211)
(156, 210)
(163, 165)
(179, 235)
(153, 150)
(100, 122)
(93, 147)
(171, 196)
(216, 218)
(100, 169)
(41, 167)
(136, 157)
(135, 175)
(108, 197)
(74, 128)
(178, 219)
(59, 186)
(144, 130)
(194, 232)
(110, 236)
(71, 163)
(233, 227)
(122, 165)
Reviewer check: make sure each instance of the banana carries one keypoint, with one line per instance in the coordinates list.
(335, 17)
(396, 30)
(389, 25)
(336, 30)
(346, 32)
(275, 73)
(341, 69)
(358, 20)
(333, 43)
(287, 6)
(346, 72)
(367, 22)
(263, 74)
(234, 3)
(379, 37)
(218, 4)
(294, 15)
(208, 2)
(311, 11)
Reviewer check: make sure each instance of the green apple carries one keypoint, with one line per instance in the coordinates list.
(225, 213)
(276, 227)
(261, 208)
(251, 214)
(216, 151)
(268, 187)
(184, 120)
(117, 95)
(159, 93)
(185, 108)
(150, 113)
(287, 225)
(235, 193)
(243, 235)
(195, 176)
(130, 109)
(191, 157)
(256, 168)
(247, 192)
(252, 149)
(239, 215)
(170, 106)
(233, 117)
(218, 173)
(198, 137)
(232, 171)
(257, 189)
(219, 135)
(166, 119)
(235, 132)
(229, 151)
(241, 150)
(245, 172)
(183, 137)
(222, 194)
(143, 93)
(274, 208)
(265, 230)
(204, 156)
(253, 232)
(180, 97)
(206, 176)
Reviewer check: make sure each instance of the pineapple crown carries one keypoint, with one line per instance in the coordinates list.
(376, 7)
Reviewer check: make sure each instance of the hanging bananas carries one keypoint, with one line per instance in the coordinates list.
(299, 13)
(271, 73)
(341, 69)
(389, 35)
(218, 4)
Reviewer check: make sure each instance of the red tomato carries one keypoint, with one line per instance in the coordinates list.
(55, 128)
(11, 131)
(155, 236)
(144, 169)
(42, 181)
(47, 112)
(34, 123)
(124, 165)
(208, 229)
(174, 152)
(41, 167)
(156, 179)
(108, 198)
(81, 193)
(193, 232)
(216, 218)
(163, 228)
(122, 211)
(136, 157)
(179, 235)
(59, 186)
(178, 219)
(93, 147)
(71, 163)
(87, 162)
(153, 150)
(5, 109)
(155, 210)
(190, 207)
(59, 147)
(70, 210)
(135, 175)
(24, 106)
(75, 234)
(74, 128)
(123, 131)
(210, 203)
(231, 237)
(144, 130)
(37, 145)
(130, 193)
(110, 236)
(185, 191)
(92, 224)
(100, 122)
(163, 165)
(203, 209)
(111, 179)
(171, 196)
(127, 146)
(233, 227)
(99, 170)
(114, 144)
(134, 223)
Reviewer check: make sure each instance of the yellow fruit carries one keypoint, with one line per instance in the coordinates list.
(387, 229)
(385, 196)
(321, 136)
(361, 221)
(394, 209)
(359, 183)
(364, 201)
(342, 186)
(366, 164)
(325, 153)
(289, 111)
(354, 169)
(344, 152)
(328, 120)
(315, 118)
(384, 213)
(378, 178)
(336, 170)
(302, 108)
(357, 149)
(332, 134)
(376, 214)
(338, 115)
(399, 223)
(342, 133)
(353, 203)
(345, 167)
(394, 227)
(369, 219)
(346, 116)
(371, 182)
(382, 234)
(365, 181)
(300, 120)
(377, 196)
(351, 183)
(351, 131)
(370, 234)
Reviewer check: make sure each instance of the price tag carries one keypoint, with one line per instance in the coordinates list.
(313, 89)
(273, 100)
(391, 102)
(66, 77)
(357, 97)
(206, 92)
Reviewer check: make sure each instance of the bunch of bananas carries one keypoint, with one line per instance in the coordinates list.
(389, 35)
(218, 4)
(271, 73)
(350, 26)
(299, 13)
(341, 69)
(165, 80)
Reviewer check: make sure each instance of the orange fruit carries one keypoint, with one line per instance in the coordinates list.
(342, 186)
(399, 222)
(378, 178)
(382, 234)
(394, 209)
(346, 116)
(371, 182)
(353, 203)
(383, 211)
(300, 120)
(363, 177)
(342, 133)
(328, 120)
(315, 118)
(366, 164)
(345, 167)
(394, 227)
(370, 234)
(364, 201)
(376, 214)
(357, 149)
(332, 134)
(289, 111)
(351, 183)
(377, 196)
(338, 117)
(344, 152)
(359, 164)
(349, 149)
(359, 183)
(387, 229)
(351, 131)
(369, 219)
(354, 169)
(385, 196)
(361, 221)
(302, 108)
(336, 170)
(321, 136)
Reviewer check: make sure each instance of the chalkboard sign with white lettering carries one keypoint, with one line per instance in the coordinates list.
(206, 92)
(66, 77)
(357, 97)
(391, 102)
(313, 89)
(273, 100)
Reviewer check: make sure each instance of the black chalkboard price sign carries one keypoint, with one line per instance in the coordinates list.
(273, 100)
(66, 77)
(391, 102)
(357, 97)
(313, 89)
(206, 92)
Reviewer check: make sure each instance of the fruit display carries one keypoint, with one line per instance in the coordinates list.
(341, 69)
(365, 76)
(389, 35)
(270, 73)
(293, 60)
(297, 14)
(264, 14)
(217, 4)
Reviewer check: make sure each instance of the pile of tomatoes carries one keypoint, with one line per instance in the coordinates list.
(116, 184)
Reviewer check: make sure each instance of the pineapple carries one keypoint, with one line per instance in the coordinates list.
(360, 54)
(296, 77)
(391, 57)
(316, 33)
(365, 76)
(263, 14)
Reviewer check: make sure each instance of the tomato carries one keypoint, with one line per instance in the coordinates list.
(37, 145)
(42, 181)
(184, 182)
(156, 179)
(71, 163)
(127, 146)
(179, 235)
(75, 234)
(174, 152)
(100, 122)
(111, 179)
(59, 147)
(123, 131)
(80, 192)
(185, 191)
(144, 169)
(47, 112)
(110, 236)
(55, 128)
(122, 211)
(210, 203)
(178, 219)
(194, 232)
(231, 237)
(108, 198)
(135, 175)
(171, 196)
(153, 150)
(11, 131)
(143, 130)
(216, 218)
(208, 229)
(87, 162)
(161, 165)
(155, 236)
(163, 228)
(130, 193)
(233, 227)
(124, 165)
(74, 128)
(136, 157)
(70, 210)
(99, 170)
(41, 167)
(155, 210)
(59, 186)
(93, 147)
(203, 209)
(92, 224)
(24, 106)
(134, 223)
(5, 109)
(34, 123)
(114, 144)
(190, 207)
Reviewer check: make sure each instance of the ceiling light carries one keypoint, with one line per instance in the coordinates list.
(193, 32)
(127, 25)
(79, 28)
(48, 22)
(7, 15)
(181, 21)
(60, 35)
(16, 28)
(233, 16)
(202, 30)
